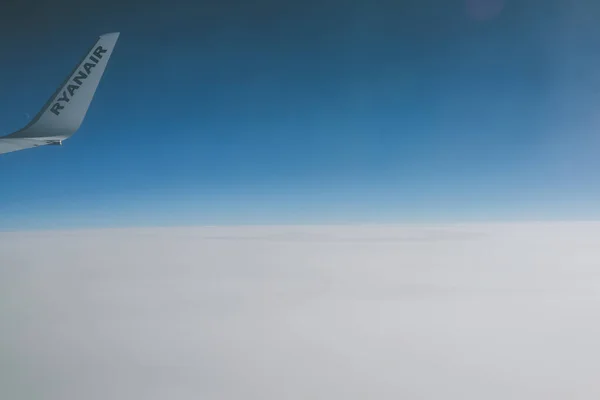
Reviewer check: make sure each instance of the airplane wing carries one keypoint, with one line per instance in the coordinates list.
(64, 112)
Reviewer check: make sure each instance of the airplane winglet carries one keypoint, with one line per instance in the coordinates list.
(65, 111)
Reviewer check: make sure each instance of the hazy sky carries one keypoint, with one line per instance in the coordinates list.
(231, 111)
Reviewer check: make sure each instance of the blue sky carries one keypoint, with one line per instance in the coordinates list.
(236, 112)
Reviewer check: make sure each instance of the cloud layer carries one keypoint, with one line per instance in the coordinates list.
(456, 312)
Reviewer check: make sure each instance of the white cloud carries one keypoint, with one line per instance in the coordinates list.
(455, 312)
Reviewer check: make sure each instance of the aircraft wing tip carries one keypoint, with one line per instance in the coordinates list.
(110, 35)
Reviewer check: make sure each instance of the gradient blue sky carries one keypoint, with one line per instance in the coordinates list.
(236, 112)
